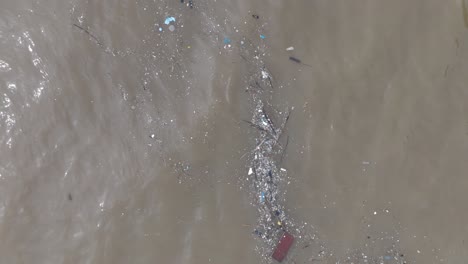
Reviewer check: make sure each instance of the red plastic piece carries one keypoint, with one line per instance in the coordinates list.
(283, 246)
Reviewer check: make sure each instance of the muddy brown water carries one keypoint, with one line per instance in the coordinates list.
(121, 143)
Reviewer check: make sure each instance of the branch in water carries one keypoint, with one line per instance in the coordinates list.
(89, 34)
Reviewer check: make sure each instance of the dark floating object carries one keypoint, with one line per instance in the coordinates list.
(255, 16)
(296, 60)
(283, 247)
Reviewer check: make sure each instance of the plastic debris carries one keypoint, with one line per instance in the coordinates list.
(265, 75)
(272, 219)
(258, 233)
(250, 171)
(290, 48)
(227, 40)
(171, 27)
(169, 20)
(283, 246)
(387, 257)
(262, 36)
(160, 29)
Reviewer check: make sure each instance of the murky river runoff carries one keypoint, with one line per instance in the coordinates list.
(170, 131)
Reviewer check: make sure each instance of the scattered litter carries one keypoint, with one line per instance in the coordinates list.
(171, 28)
(160, 29)
(265, 75)
(152, 135)
(365, 163)
(387, 257)
(262, 197)
(290, 49)
(250, 171)
(262, 36)
(255, 16)
(283, 169)
(169, 20)
(227, 40)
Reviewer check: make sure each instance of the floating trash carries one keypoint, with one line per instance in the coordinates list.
(171, 28)
(262, 36)
(283, 247)
(169, 20)
(290, 49)
(227, 40)
(298, 61)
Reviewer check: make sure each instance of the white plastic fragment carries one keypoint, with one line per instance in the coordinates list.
(169, 20)
(250, 171)
(290, 48)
